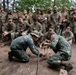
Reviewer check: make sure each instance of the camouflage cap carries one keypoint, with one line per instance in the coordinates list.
(42, 9)
(38, 8)
(55, 8)
(44, 19)
(51, 28)
(49, 8)
(68, 27)
(18, 8)
(10, 11)
(35, 33)
(10, 19)
(74, 8)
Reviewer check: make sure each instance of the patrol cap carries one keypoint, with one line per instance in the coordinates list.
(49, 8)
(18, 8)
(35, 33)
(74, 8)
(38, 8)
(10, 20)
(51, 28)
(42, 9)
(55, 8)
(68, 27)
(29, 8)
(9, 11)
(44, 19)
(35, 19)
(40, 34)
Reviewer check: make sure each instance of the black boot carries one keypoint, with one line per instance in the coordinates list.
(68, 67)
(10, 56)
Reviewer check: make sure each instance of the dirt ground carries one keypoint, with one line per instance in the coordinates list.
(16, 68)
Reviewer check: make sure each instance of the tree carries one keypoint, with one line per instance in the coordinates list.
(24, 4)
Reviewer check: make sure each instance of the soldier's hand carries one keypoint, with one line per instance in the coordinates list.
(48, 41)
(45, 44)
(5, 33)
(43, 54)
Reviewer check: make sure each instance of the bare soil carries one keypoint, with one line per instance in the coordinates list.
(16, 68)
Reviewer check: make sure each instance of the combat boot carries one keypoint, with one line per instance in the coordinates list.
(68, 67)
(10, 56)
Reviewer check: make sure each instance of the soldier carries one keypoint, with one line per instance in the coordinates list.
(25, 16)
(48, 17)
(18, 12)
(22, 27)
(68, 35)
(29, 13)
(38, 13)
(73, 22)
(42, 15)
(2, 15)
(44, 25)
(11, 15)
(64, 17)
(8, 31)
(2, 19)
(36, 26)
(58, 30)
(19, 45)
(62, 51)
(55, 18)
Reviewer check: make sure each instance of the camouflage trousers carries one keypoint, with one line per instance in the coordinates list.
(56, 59)
(20, 55)
(10, 36)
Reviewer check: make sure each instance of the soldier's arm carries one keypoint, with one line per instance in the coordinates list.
(4, 28)
(63, 34)
(54, 41)
(59, 19)
(40, 28)
(13, 29)
(53, 21)
(71, 36)
(32, 47)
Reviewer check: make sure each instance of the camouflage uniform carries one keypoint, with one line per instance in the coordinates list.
(21, 29)
(48, 18)
(61, 48)
(11, 29)
(2, 20)
(37, 27)
(30, 17)
(58, 31)
(73, 23)
(44, 25)
(55, 18)
(64, 19)
(68, 35)
(25, 18)
(3, 16)
(19, 45)
(18, 12)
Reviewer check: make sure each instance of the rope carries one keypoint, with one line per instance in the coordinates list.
(37, 65)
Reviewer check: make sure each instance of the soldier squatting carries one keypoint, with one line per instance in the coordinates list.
(25, 29)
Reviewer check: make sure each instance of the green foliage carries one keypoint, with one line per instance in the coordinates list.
(24, 4)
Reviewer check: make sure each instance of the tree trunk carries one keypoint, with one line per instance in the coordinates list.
(54, 2)
(4, 4)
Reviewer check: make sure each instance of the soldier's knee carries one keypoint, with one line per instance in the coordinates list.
(49, 61)
(12, 35)
(25, 60)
